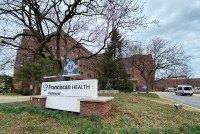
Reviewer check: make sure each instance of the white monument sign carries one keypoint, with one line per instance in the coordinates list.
(64, 95)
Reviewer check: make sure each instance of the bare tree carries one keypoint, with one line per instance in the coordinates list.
(180, 71)
(158, 58)
(89, 22)
(6, 59)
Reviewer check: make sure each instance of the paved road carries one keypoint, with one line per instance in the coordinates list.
(8, 99)
(193, 101)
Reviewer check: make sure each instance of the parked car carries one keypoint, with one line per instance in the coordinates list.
(171, 89)
(184, 90)
(197, 89)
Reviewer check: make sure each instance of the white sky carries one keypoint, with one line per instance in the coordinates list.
(179, 22)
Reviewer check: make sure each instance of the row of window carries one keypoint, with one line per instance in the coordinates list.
(29, 38)
(68, 42)
(52, 48)
(62, 48)
(87, 67)
(88, 75)
(24, 58)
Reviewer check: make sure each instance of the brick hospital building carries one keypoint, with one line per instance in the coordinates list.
(88, 68)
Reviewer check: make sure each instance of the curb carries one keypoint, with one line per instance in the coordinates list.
(181, 103)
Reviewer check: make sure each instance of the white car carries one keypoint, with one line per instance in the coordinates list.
(197, 89)
(184, 90)
(171, 89)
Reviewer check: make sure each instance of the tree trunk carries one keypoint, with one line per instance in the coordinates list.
(59, 66)
(149, 86)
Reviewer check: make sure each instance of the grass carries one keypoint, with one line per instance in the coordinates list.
(134, 111)
(17, 119)
(130, 114)
(166, 101)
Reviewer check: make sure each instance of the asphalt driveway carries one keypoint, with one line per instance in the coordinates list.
(193, 101)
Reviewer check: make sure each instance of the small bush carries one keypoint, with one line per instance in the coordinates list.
(26, 92)
(18, 91)
(126, 85)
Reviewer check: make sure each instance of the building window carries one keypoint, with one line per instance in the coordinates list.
(53, 38)
(29, 37)
(30, 47)
(68, 42)
(25, 58)
(51, 48)
(55, 47)
(62, 58)
(62, 48)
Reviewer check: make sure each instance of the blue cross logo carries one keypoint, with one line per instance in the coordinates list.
(70, 66)
(45, 87)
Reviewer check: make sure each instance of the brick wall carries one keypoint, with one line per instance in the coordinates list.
(164, 84)
(88, 68)
(100, 108)
(39, 102)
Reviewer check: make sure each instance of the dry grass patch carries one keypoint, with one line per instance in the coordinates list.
(130, 111)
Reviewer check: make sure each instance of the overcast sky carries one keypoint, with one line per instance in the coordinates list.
(179, 22)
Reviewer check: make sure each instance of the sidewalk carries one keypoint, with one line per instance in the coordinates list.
(13, 97)
(8, 99)
(197, 95)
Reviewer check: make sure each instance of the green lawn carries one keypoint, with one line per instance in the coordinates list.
(130, 114)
